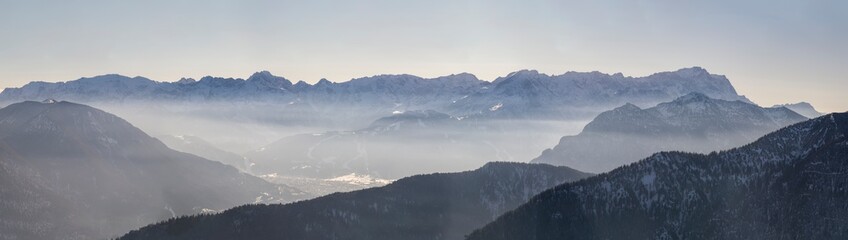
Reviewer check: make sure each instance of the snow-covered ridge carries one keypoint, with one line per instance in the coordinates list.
(521, 93)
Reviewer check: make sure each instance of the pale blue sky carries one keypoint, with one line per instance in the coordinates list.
(772, 51)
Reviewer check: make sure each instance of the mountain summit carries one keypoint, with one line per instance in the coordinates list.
(693, 122)
(803, 108)
(266, 79)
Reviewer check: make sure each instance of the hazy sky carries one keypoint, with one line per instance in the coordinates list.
(772, 51)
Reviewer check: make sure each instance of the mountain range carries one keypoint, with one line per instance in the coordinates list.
(70, 171)
(789, 184)
(432, 206)
(331, 129)
(522, 94)
(693, 122)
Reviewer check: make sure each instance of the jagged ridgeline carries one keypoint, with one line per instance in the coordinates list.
(521, 94)
(789, 184)
(432, 206)
(70, 171)
(327, 129)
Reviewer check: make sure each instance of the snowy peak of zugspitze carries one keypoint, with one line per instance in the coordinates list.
(460, 77)
(523, 74)
(265, 78)
(693, 72)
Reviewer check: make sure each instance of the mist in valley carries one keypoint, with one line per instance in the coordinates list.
(422, 121)
(394, 145)
(268, 151)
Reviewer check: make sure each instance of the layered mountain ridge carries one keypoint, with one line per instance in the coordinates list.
(693, 122)
(429, 141)
(520, 94)
(788, 184)
(431, 206)
(803, 108)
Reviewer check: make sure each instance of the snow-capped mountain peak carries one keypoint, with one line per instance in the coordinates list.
(265, 78)
(519, 76)
(692, 72)
(524, 94)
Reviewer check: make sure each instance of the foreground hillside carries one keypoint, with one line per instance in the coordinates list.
(434, 206)
(790, 184)
(70, 171)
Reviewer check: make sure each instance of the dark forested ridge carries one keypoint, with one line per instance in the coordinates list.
(433, 206)
(790, 184)
(70, 171)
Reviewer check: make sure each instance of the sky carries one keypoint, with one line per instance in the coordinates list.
(772, 51)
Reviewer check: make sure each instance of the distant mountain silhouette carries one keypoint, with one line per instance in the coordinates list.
(391, 147)
(803, 108)
(525, 94)
(693, 122)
